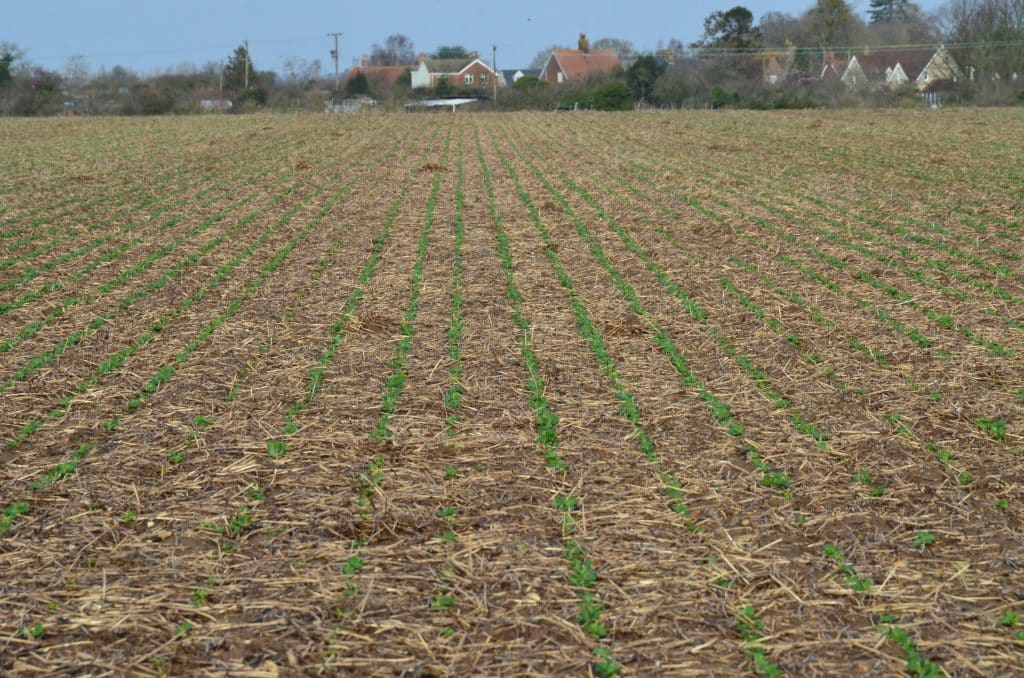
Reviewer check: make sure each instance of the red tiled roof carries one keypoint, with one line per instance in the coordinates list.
(578, 65)
(384, 74)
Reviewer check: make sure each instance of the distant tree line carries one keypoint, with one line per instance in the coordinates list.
(723, 68)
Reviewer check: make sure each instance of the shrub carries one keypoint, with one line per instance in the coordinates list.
(720, 98)
(615, 96)
(528, 83)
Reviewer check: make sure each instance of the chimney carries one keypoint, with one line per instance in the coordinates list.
(584, 43)
(867, 50)
(366, 60)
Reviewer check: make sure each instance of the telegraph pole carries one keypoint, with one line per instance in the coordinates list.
(335, 55)
(494, 67)
(246, 43)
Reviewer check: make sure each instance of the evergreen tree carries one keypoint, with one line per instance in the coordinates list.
(234, 71)
(890, 11)
(357, 85)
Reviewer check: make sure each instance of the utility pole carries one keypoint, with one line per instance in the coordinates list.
(246, 43)
(494, 67)
(222, 76)
(334, 55)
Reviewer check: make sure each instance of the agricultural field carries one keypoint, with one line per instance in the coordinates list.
(666, 393)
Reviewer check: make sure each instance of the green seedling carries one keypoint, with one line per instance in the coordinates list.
(10, 513)
(566, 503)
(923, 538)
(277, 448)
(917, 664)
(34, 632)
(182, 628)
(129, 517)
(995, 428)
(588, 615)
(200, 597)
(443, 601)
(605, 665)
(751, 629)
(353, 565)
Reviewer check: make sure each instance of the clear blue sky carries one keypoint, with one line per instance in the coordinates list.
(150, 35)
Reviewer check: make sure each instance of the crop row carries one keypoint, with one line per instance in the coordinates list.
(164, 373)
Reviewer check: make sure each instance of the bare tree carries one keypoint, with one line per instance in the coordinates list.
(624, 48)
(987, 25)
(298, 70)
(541, 57)
(398, 50)
(76, 70)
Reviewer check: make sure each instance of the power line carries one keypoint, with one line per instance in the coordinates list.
(739, 51)
(176, 50)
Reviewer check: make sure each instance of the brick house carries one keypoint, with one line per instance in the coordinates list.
(578, 64)
(385, 76)
(470, 73)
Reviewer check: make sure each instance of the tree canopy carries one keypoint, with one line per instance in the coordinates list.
(357, 85)
(450, 52)
(642, 75)
(732, 29)
(9, 53)
(834, 22)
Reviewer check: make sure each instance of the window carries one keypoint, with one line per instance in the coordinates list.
(469, 78)
(483, 78)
